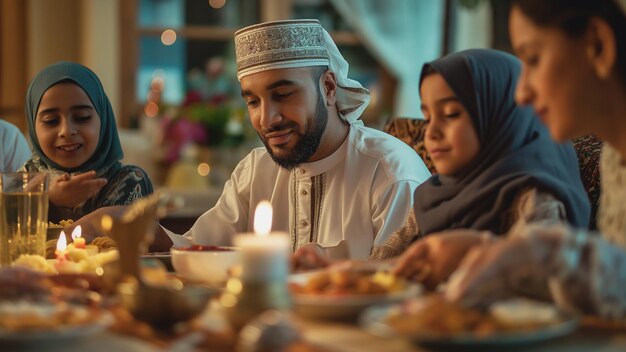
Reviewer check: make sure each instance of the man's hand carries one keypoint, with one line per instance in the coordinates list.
(310, 256)
(432, 260)
(71, 191)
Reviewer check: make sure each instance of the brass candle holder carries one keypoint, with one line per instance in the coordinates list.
(164, 305)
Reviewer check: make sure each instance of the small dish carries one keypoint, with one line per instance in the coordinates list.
(207, 264)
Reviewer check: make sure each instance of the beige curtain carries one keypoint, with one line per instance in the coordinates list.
(402, 35)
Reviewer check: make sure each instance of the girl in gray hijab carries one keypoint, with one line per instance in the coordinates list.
(498, 168)
(74, 136)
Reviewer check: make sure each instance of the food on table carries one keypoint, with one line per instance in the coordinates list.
(23, 283)
(30, 300)
(524, 312)
(24, 316)
(75, 261)
(99, 244)
(349, 282)
(201, 248)
(104, 243)
(61, 224)
(34, 262)
(434, 315)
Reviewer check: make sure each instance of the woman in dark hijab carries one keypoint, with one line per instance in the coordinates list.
(74, 137)
(498, 168)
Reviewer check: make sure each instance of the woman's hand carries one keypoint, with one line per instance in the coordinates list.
(70, 191)
(432, 260)
(91, 224)
(494, 271)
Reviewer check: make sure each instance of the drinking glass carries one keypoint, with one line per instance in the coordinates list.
(23, 214)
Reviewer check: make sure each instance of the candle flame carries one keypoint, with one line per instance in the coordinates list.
(77, 233)
(263, 218)
(62, 242)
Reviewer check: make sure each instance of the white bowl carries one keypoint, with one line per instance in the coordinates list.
(210, 266)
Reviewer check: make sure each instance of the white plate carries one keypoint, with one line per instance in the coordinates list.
(375, 321)
(343, 306)
(58, 333)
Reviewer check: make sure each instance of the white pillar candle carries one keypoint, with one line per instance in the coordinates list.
(265, 254)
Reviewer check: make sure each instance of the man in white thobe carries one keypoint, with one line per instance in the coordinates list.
(330, 179)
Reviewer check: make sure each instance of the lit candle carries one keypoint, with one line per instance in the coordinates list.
(79, 241)
(265, 254)
(61, 252)
(62, 263)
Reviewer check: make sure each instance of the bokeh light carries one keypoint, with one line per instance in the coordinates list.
(157, 83)
(168, 37)
(204, 169)
(217, 4)
(151, 109)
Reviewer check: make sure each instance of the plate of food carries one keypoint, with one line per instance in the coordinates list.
(343, 294)
(28, 322)
(37, 306)
(430, 320)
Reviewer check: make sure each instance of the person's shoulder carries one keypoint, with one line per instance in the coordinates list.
(7, 128)
(132, 170)
(257, 161)
(381, 145)
(132, 173)
(395, 156)
(259, 153)
(6, 124)
(255, 156)
(126, 184)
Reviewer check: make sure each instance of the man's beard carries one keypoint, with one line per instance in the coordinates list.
(309, 141)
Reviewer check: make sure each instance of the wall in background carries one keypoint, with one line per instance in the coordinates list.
(84, 31)
(100, 45)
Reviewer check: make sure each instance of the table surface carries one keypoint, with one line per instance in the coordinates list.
(330, 336)
(347, 338)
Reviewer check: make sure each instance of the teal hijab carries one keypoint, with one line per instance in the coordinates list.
(108, 153)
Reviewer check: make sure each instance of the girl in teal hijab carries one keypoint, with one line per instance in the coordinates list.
(74, 136)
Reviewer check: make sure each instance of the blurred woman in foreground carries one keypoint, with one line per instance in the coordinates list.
(574, 75)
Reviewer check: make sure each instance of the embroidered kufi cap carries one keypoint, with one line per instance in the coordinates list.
(299, 43)
(281, 44)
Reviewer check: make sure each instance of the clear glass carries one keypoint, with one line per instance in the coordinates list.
(23, 214)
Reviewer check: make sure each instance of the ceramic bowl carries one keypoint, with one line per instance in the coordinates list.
(210, 264)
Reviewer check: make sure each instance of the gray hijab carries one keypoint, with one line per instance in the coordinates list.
(516, 152)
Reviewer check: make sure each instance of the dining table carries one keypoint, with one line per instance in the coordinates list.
(328, 335)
